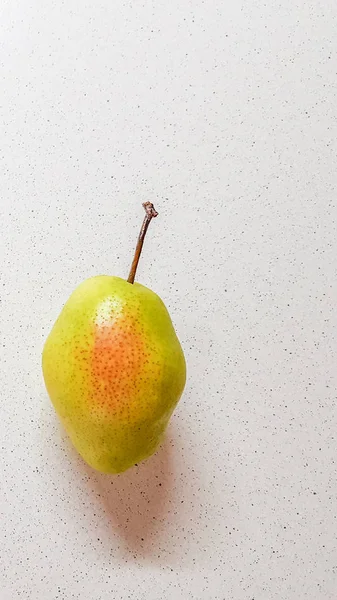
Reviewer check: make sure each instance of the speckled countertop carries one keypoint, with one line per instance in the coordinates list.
(224, 115)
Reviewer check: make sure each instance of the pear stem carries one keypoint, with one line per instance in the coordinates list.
(150, 213)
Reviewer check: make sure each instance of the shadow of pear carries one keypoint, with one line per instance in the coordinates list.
(136, 502)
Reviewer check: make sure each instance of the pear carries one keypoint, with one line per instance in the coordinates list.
(114, 368)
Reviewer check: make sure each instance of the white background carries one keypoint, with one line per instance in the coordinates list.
(224, 115)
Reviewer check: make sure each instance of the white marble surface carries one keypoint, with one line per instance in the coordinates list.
(224, 115)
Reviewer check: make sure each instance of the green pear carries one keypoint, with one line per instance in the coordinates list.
(114, 368)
